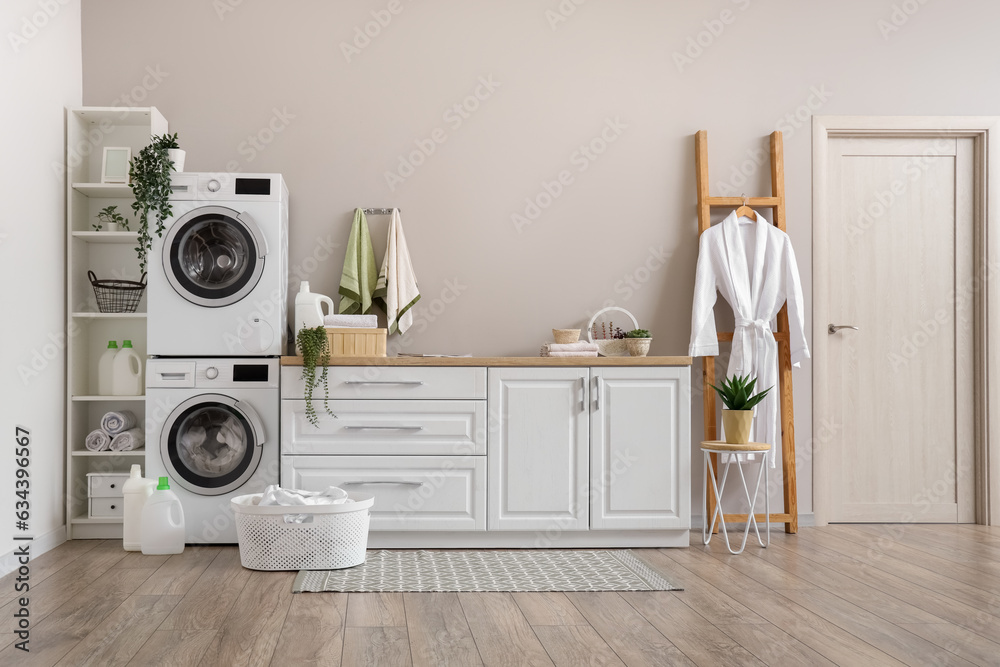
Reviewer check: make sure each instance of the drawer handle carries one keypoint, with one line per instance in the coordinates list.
(112, 507)
(413, 382)
(385, 428)
(381, 481)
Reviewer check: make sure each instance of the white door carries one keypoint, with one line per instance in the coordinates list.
(640, 444)
(538, 449)
(895, 403)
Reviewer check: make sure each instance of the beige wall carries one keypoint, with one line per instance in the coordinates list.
(238, 72)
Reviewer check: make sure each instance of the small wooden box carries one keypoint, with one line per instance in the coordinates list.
(346, 342)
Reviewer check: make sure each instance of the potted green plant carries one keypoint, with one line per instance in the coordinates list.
(315, 348)
(110, 216)
(637, 341)
(149, 177)
(738, 397)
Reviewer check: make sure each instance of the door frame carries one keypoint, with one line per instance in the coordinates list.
(985, 131)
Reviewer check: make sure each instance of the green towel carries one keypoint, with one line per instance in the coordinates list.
(358, 281)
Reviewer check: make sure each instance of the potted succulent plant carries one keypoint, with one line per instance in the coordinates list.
(315, 348)
(637, 341)
(738, 397)
(110, 217)
(149, 178)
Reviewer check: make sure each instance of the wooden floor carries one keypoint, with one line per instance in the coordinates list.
(845, 595)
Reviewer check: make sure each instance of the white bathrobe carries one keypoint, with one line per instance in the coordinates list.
(753, 265)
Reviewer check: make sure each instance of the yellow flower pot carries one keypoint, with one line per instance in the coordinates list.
(736, 424)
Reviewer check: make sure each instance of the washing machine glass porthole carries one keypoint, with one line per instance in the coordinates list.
(211, 448)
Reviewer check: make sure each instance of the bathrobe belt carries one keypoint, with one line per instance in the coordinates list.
(759, 356)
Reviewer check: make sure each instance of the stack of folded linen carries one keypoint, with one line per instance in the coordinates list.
(118, 432)
(581, 349)
(351, 321)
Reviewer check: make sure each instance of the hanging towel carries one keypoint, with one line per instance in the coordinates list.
(397, 291)
(114, 423)
(98, 441)
(358, 280)
(351, 321)
(129, 440)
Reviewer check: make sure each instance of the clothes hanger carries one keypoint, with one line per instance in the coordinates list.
(745, 211)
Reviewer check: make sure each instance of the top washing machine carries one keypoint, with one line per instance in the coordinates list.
(218, 278)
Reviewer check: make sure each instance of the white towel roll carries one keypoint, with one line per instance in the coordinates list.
(98, 441)
(351, 321)
(114, 422)
(129, 440)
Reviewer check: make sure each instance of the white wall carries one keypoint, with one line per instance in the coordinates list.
(259, 86)
(40, 74)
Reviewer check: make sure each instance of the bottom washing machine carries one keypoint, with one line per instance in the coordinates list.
(212, 428)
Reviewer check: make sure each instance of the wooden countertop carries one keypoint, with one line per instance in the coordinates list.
(498, 361)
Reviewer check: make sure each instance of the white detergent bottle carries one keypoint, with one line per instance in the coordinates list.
(162, 522)
(136, 490)
(309, 309)
(104, 369)
(126, 372)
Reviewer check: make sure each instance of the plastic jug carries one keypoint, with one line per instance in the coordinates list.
(136, 490)
(309, 308)
(126, 372)
(104, 369)
(162, 522)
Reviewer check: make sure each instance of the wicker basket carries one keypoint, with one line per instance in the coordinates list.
(332, 537)
(563, 336)
(349, 342)
(117, 296)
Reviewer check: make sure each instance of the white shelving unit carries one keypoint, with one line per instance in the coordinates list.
(109, 255)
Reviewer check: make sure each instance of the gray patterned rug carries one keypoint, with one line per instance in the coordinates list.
(523, 570)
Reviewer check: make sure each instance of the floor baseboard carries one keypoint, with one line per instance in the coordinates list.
(39, 545)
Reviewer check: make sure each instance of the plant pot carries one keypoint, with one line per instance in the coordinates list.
(177, 156)
(638, 347)
(736, 424)
(111, 226)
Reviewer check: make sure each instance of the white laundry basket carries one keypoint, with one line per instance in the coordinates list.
(332, 536)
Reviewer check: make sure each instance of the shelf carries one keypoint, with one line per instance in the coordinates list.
(109, 316)
(109, 398)
(106, 190)
(107, 237)
(84, 519)
(87, 452)
(120, 116)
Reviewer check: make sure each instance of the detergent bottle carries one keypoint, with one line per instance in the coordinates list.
(104, 369)
(309, 309)
(136, 490)
(126, 372)
(162, 522)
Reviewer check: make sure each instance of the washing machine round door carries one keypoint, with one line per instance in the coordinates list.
(213, 256)
(211, 444)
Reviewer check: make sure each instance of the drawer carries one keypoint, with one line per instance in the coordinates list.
(391, 382)
(386, 428)
(411, 492)
(103, 508)
(105, 485)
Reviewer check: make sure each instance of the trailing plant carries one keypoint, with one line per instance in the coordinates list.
(315, 347)
(149, 175)
(638, 333)
(110, 215)
(737, 393)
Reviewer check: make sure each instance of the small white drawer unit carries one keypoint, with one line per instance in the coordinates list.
(104, 493)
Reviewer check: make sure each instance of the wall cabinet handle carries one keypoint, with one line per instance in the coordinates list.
(385, 428)
(368, 482)
(412, 382)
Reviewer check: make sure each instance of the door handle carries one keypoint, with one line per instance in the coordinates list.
(384, 428)
(380, 481)
(413, 382)
(834, 328)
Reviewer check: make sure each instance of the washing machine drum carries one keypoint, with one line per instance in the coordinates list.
(211, 444)
(213, 256)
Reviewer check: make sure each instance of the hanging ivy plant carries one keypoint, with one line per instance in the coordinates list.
(149, 176)
(315, 347)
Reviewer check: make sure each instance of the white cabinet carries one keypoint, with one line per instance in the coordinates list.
(537, 448)
(640, 434)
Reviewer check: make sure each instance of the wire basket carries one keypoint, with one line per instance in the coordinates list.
(117, 296)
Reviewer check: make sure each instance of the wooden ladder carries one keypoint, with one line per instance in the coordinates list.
(776, 202)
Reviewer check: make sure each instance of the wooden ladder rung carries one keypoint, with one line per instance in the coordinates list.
(728, 335)
(732, 202)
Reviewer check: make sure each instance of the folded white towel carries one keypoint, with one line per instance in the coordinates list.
(98, 441)
(127, 441)
(581, 346)
(396, 290)
(570, 354)
(351, 321)
(114, 423)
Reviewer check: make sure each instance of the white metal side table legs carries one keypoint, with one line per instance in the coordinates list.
(710, 447)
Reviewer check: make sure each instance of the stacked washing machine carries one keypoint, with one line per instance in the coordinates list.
(216, 298)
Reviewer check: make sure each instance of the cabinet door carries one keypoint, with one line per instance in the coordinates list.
(640, 448)
(537, 449)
